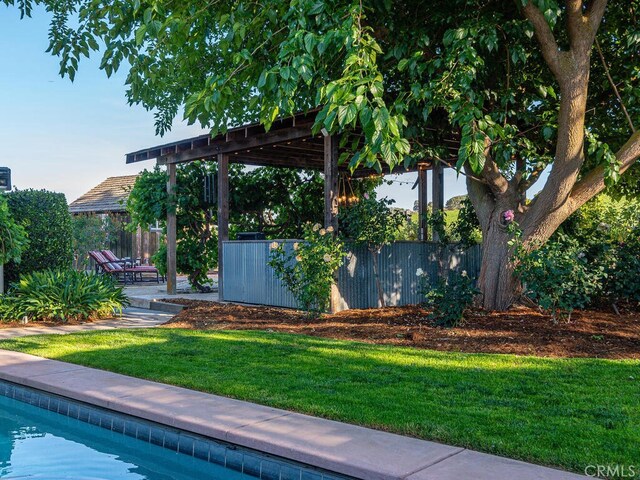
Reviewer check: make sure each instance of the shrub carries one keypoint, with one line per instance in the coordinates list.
(13, 237)
(623, 282)
(559, 276)
(88, 234)
(62, 295)
(46, 219)
(308, 268)
(450, 298)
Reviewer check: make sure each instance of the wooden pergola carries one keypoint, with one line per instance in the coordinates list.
(289, 143)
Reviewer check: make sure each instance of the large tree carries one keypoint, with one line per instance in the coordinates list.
(503, 90)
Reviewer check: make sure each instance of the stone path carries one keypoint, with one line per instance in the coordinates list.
(131, 318)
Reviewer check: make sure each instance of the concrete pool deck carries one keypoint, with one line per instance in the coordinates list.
(342, 448)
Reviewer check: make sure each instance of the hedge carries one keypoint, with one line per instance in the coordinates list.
(46, 219)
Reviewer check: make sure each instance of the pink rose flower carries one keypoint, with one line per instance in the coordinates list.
(508, 216)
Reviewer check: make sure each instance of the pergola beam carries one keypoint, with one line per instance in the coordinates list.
(232, 146)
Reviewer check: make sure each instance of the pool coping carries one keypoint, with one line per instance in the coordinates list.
(334, 446)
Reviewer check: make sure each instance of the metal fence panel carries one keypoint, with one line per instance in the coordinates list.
(249, 279)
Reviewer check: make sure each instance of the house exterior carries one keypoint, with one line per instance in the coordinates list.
(107, 202)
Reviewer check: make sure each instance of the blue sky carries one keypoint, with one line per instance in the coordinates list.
(68, 137)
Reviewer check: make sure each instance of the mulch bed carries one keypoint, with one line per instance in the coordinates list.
(521, 331)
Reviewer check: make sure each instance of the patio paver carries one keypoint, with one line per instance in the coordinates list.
(339, 447)
(131, 318)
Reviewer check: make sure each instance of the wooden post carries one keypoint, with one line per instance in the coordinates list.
(223, 216)
(423, 202)
(438, 191)
(331, 181)
(331, 186)
(172, 228)
(1, 279)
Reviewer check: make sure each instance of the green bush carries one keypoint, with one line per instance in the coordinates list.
(46, 219)
(62, 295)
(308, 268)
(13, 238)
(560, 276)
(450, 298)
(623, 282)
(592, 260)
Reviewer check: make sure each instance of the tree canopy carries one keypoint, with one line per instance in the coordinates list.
(502, 90)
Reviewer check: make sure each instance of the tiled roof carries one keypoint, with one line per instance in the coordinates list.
(110, 196)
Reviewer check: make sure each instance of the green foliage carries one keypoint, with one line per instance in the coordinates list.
(13, 237)
(608, 230)
(276, 201)
(371, 222)
(62, 295)
(197, 243)
(466, 229)
(559, 276)
(624, 278)
(47, 222)
(308, 268)
(456, 203)
(450, 298)
(414, 79)
(88, 234)
(267, 200)
(593, 258)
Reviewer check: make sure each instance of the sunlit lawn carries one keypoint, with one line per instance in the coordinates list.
(563, 412)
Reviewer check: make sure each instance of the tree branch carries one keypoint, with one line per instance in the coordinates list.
(491, 173)
(482, 199)
(613, 86)
(595, 12)
(550, 50)
(576, 23)
(593, 182)
(583, 28)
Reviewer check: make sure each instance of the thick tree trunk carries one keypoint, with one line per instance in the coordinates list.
(497, 282)
(494, 193)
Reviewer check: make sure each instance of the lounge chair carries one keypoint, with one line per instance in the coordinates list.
(123, 269)
(116, 269)
(134, 267)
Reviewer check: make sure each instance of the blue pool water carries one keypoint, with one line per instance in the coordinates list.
(82, 442)
(36, 443)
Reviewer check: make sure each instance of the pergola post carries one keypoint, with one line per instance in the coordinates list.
(172, 274)
(331, 186)
(331, 181)
(423, 202)
(223, 216)
(438, 192)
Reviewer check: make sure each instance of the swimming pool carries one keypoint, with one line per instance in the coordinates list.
(46, 436)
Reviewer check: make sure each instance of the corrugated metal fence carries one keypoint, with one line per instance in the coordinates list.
(249, 279)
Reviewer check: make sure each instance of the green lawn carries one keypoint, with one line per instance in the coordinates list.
(564, 412)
